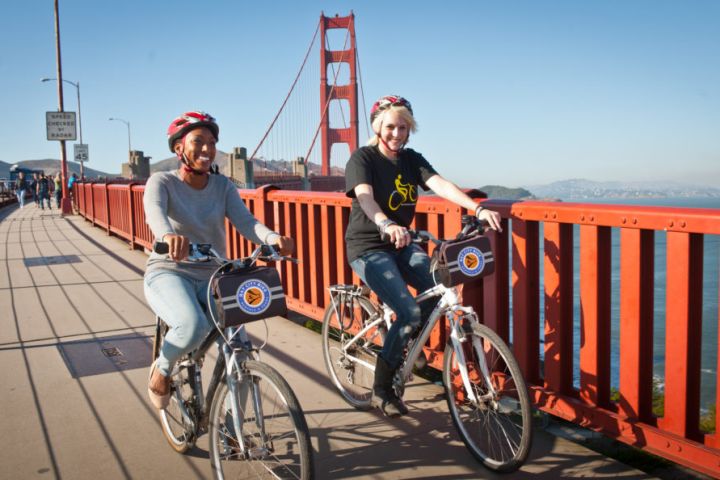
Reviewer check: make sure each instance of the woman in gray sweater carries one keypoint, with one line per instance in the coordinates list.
(186, 206)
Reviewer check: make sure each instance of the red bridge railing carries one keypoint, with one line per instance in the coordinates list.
(537, 237)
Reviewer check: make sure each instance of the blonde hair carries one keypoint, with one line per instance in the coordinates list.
(404, 114)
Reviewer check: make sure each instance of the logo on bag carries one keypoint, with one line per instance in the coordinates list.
(471, 261)
(253, 297)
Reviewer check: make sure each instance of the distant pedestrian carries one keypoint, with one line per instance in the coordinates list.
(71, 184)
(34, 188)
(43, 191)
(58, 189)
(21, 186)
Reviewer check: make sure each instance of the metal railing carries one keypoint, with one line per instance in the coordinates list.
(552, 294)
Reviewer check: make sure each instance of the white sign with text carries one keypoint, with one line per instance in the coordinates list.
(60, 125)
(82, 152)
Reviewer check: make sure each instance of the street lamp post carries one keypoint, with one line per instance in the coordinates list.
(77, 87)
(128, 129)
(66, 203)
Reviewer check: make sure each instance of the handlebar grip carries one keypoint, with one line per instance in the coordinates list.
(267, 251)
(161, 247)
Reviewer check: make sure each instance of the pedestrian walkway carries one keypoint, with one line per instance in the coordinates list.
(75, 347)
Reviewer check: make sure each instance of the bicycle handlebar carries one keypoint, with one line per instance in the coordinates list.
(203, 252)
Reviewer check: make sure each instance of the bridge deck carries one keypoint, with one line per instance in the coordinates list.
(75, 347)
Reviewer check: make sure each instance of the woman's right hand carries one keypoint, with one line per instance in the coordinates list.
(398, 235)
(178, 246)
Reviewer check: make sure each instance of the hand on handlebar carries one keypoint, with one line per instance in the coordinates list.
(492, 218)
(399, 235)
(285, 246)
(178, 246)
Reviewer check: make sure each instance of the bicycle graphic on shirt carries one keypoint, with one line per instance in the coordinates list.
(403, 192)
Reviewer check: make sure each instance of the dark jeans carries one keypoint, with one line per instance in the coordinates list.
(44, 196)
(388, 274)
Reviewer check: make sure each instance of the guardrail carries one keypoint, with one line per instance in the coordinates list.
(7, 196)
(533, 289)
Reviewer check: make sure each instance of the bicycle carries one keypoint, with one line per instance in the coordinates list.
(256, 426)
(485, 391)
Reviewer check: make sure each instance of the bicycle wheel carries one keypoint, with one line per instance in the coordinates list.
(175, 426)
(274, 431)
(350, 359)
(497, 428)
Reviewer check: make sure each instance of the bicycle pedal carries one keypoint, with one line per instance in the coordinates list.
(420, 361)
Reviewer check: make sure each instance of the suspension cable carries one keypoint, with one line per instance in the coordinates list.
(288, 95)
(362, 90)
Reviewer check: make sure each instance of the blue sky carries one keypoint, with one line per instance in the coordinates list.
(511, 93)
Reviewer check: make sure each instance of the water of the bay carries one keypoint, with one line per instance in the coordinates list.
(711, 264)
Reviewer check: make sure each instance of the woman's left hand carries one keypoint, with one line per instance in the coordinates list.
(492, 217)
(285, 246)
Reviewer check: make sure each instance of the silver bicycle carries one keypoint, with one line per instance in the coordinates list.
(256, 426)
(485, 390)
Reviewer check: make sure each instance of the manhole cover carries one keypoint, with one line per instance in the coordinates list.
(105, 355)
(54, 260)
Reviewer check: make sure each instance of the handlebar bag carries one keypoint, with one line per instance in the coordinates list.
(248, 294)
(455, 262)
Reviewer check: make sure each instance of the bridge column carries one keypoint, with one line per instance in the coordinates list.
(240, 168)
(300, 169)
(348, 135)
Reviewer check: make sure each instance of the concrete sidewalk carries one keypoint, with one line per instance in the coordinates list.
(75, 347)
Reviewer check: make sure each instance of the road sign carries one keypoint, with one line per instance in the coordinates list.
(60, 125)
(82, 152)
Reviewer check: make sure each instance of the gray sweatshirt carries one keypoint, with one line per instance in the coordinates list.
(172, 206)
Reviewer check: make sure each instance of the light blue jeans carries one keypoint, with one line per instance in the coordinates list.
(182, 304)
(21, 197)
(388, 274)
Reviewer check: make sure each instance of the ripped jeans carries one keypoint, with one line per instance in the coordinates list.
(388, 273)
(181, 302)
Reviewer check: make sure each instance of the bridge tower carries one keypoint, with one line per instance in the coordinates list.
(332, 92)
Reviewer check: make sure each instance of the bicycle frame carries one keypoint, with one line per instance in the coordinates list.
(449, 306)
(228, 364)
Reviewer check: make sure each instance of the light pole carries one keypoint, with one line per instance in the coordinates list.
(128, 129)
(66, 203)
(77, 87)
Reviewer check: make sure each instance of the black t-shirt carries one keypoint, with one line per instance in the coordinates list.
(395, 189)
(43, 182)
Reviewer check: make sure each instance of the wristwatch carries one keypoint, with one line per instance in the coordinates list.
(479, 209)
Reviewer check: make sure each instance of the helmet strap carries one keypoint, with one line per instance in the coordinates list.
(187, 168)
(388, 146)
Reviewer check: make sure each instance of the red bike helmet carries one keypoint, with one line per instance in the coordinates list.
(188, 121)
(386, 102)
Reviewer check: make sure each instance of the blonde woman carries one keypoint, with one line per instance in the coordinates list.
(382, 178)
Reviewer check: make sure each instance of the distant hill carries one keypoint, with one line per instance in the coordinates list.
(500, 192)
(52, 166)
(579, 188)
(261, 165)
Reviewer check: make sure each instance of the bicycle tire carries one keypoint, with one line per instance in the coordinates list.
(286, 452)
(177, 431)
(497, 432)
(352, 367)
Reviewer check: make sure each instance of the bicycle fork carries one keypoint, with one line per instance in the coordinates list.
(239, 391)
(458, 337)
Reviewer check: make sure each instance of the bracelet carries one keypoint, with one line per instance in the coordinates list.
(479, 209)
(384, 224)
